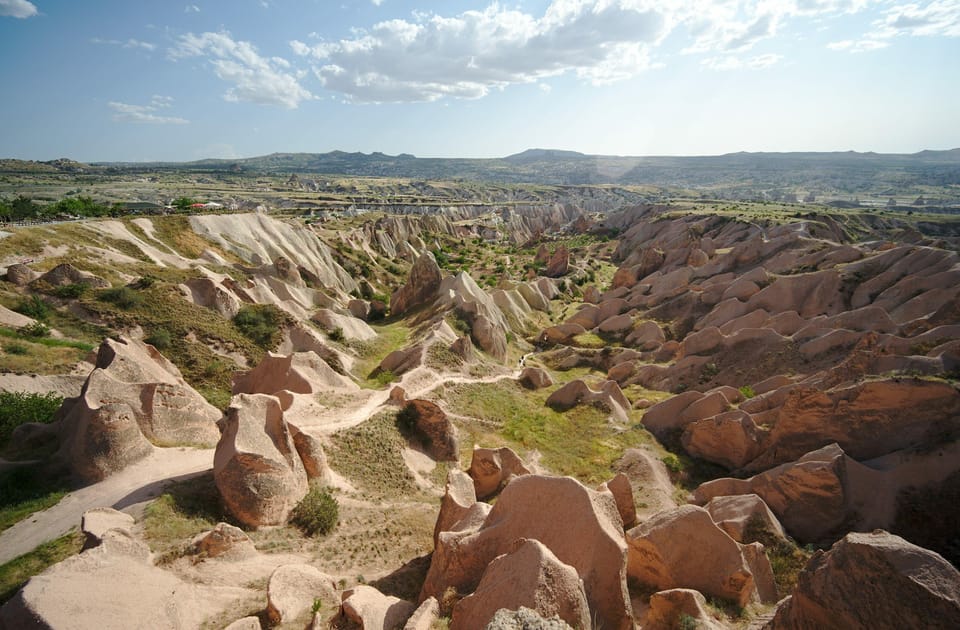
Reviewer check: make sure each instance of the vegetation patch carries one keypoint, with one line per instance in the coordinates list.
(185, 509)
(27, 489)
(371, 456)
(317, 513)
(370, 353)
(14, 574)
(18, 408)
(261, 324)
(580, 442)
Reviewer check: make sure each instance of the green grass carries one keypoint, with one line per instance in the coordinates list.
(184, 510)
(371, 456)
(18, 408)
(25, 490)
(49, 342)
(370, 353)
(580, 442)
(14, 574)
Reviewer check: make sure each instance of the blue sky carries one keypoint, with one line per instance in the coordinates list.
(136, 81)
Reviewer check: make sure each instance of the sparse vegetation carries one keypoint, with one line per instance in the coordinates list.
(124, 297)
(14, 574)
(371, 455)
(185, 509)
(261, 324)
(28, 489)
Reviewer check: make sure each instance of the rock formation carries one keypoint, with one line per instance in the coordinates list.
(133, 399)
(421, 286)
(432, 423)
(491, 469)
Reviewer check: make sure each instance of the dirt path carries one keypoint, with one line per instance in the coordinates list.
(124, 490)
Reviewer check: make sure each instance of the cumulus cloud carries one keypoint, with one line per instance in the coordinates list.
(191, 8)
(941, 17)
(130, 43)
(126, 112)
(255, 79)
(17, 8)
(731, 62)
(468, 55)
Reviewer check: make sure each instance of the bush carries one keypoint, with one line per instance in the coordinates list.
(336, 334)
(124, 297)
(747, 392)
(69, 291)
(34, 307)
(16, 348)
(317, 513)
(160, 339)
(260, 323)
(18, 408)
(672, 462)
(36, 329)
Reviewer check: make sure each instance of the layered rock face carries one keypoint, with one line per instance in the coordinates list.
(133, 399)
(421, 286)
(260, 466)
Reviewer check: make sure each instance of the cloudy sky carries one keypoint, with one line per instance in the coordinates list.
(102, 80)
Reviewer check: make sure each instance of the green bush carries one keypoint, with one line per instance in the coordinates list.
(124, 297)
(159, 339)
(672, 462)
(34, 307)
(336, 334)
(36, 329)
(18, 408)
(747, 392)
(317, 513)
(69, 291)
(16, 348)
(260, 323)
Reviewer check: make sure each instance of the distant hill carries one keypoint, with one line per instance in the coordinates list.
(838, 171)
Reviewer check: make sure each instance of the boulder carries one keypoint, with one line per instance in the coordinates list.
(525, 619)
(666, 416)
(463, 348)
(422, 285)
(529, 575)
(21, 275)
(398, 396)
(370, 609)
(98, 521)
(617, 324)
(224, 541)
(731, 439)
(580, 526)
(668, 607)
(491, 469)
(133, 396)
(432, 423)
(113, 586)
(293, 588)
(535, 378)
(683, 548)
(348, 325)
(649, 479)
(65, 273)
(875, 581)
(311, 453)
(622, 492)
(591, 295)
(210, 294)
(560, 334)
(610, 398)
(256, 465)
(745, 516)
(401, 361)
(245, 623)
(359, 309)
(492, 339)
(298, 373)
(458, 497)
(425, 617)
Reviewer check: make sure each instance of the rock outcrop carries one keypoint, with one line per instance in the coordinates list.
(297, 373)
(535, 378)
(421, 287)
(256, 466)
(293, 589)
(580, 526)
(430, 422)
(875, 580)
(527, 575)
(65, 273)
(684, 548)
(370, 609)
(491, 469)
(668, 607)
(609, 398)
(133, 399)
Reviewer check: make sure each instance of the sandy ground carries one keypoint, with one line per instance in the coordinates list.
(127, 490)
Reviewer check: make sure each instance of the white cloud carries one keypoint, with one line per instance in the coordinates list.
(191, 8)
(940, 17)
(145, 113)
(377, 2)
(255, 79)
(130, 43)
(17, 8)
(731, 62)
(467, 55)
(858, 46)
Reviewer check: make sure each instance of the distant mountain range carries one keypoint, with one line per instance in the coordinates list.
(840, 171)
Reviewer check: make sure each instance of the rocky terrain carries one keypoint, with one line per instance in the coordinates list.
(528, 418)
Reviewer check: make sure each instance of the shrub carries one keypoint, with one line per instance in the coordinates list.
(317, 513)
(34, 307)
(747, 392)
(124, 297)
(69, 291)
(159, 339)
(16, 348)
(672, 462)
(18, 408)
(336, 334)
(260, 323)
(36, 329)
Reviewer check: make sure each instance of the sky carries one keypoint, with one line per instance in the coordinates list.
(175, 81)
